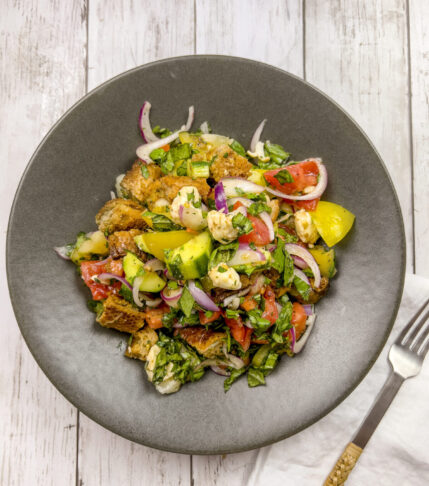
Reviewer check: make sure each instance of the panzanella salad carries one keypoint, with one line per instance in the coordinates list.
(210, 255)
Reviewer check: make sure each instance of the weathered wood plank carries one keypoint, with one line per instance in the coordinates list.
(123, 35)
(356, 53)
(42, 53)
(419, 60)
(268, 31)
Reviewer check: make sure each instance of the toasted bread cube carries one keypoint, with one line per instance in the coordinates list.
(229, 164)
(135, 184)
(120, 214)
(121, 315)
(206, 341)
(141, 343)
(122, 241)
(167, 188)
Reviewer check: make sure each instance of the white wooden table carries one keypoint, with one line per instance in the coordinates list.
(372, 57)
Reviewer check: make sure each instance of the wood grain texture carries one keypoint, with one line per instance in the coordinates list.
(356, 53)
(122, 35)
(268, 31)
(419, 61)
(42, 52)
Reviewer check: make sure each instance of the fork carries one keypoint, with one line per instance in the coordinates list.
(406, 357)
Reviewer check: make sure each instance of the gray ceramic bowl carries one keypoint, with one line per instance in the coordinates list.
(69, 178)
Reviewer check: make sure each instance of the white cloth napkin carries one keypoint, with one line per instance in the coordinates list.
(397, 453)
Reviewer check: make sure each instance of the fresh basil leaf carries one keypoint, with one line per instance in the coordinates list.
(158, 155)
(234, 376)
(186, 302)
(283, 323)
(276, 152)
(161, 132)
(284, 177)
(258, 207)
(288, 238)
(278, 256)
(169, 318)
(95, 306)
(302, 287)
(223, 254)
(160, 222)
(242, 224)
(237, 147)
(259, 324)
(255, 377)
(288, 269)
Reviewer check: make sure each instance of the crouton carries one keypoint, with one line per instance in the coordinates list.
(167, 188)
(207, 342)
(121, 315)
(135, 183)
(141, 343)
(120, 214)
(122, 241)
(229, 163)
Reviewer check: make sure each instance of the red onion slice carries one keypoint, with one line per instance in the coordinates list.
(62, 251)
(204, 127)
(309, 309)
(110, 276)
(299, 262)
(144, 124)
(112, 195)
(136, 290)
(257, 285)
(231, 183)
(201, 298)
(153, 302)
(301, 275)
(144, 150)
(190, 119)
(318, 189)
(181, 209)
(303, 339)
(246, 255)
(219, 371)
(220, 198)
(266, 218)
(293, 339)
(227, 301)
(297, 250)
(171, 296)
(154, 265)
(257, 135)
(244, 201)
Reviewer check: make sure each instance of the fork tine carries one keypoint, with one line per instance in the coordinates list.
(415, 331)
(404, 332)
(421, 339)
(425, 349)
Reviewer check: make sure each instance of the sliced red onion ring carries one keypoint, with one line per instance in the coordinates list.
(171, 296)
(227, 301)
(153, 302)
(257, 135)
(257, 285)
(62, 251)
(109, 276)
(303, 339)
(235, 361)
(204, 127)
(177, 325)
(318, 190)
(144, 124)
(201, 298)
(297, 250)
(231, 183)
(219, 371)
(244, 201)
(190, 119)
(245, 255)
(143, 152)
(309, 309)
(136, 290)
(220, 198)
(266, 218)
(293, 339)
(154, 265)
(299, 262)
(167, 274)
(300, 274)
(181, 209)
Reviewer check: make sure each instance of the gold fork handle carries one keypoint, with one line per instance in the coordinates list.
(344, 465)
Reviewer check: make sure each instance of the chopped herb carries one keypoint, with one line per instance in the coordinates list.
(242, 224)
(221, 269)
(235, 374)
(288, 269)
(144, 170)
(223, 254)
(161, 132)
(302, 287)
(172, 284)
(95, 306)
(232, 314)
(278, 256)
(255, 377)
(190, 196)
(160, 222)
(186, 302)
(208, 314)
(283, 323)
(169, 318)
(284, 176)
(288, 238)
(258, 322)
(257, 208)
(276, 153)
(225, 155)
(237, 147)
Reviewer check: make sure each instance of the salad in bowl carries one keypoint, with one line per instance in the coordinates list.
(211, 256)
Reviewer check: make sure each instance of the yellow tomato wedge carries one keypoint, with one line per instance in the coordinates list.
(332, 221)
(155, 243)
(257, 176)
(325, 259)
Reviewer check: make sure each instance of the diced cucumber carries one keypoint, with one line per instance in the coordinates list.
(190, 260)
(199, 169)
(155, 243)
(86, 246)
(134, 267)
